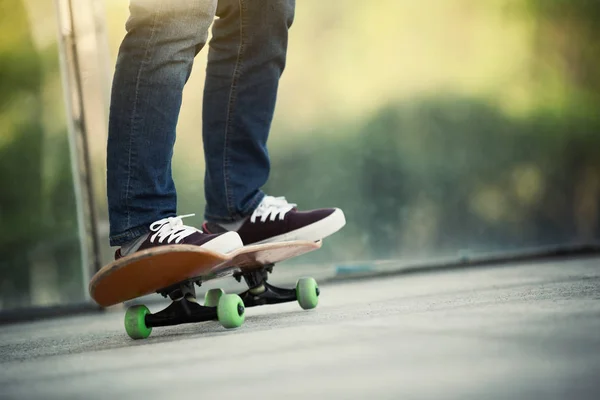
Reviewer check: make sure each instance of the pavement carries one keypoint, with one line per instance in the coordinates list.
(518, 331)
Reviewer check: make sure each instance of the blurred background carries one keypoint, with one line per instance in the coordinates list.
(441, 128)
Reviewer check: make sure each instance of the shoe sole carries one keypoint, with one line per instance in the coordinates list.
(313, 232)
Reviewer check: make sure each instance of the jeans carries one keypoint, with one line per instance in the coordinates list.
(246, 58)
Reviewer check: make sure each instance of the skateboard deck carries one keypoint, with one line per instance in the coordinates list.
(150, 271)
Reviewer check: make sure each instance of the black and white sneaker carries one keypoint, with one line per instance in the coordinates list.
(171, 230)
(276, 220)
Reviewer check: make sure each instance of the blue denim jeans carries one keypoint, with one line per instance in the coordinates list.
(246, 58)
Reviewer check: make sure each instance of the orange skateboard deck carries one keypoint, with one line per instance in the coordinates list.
(153, 270)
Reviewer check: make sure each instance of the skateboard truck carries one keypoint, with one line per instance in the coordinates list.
(180, 290)
(184, 309)
(260, 292)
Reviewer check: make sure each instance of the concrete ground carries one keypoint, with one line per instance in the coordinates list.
(528, 331)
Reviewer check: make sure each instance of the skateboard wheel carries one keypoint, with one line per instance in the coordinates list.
(135, 322)
(307, 293)
(212, 297)
(231, 311)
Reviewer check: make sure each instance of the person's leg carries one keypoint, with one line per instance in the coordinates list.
(246, 58)
(154, 62)
(153, 65)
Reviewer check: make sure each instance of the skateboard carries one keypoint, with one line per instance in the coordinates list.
(174, 270)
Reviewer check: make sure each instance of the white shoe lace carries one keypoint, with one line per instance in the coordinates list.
(171, 229)
(272, 207)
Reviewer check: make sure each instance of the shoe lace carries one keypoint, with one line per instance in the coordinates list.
(171, 229)
(272, 207)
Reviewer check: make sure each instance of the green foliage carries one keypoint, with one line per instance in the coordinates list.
(36, 204)
(430, 177)
(566, 38)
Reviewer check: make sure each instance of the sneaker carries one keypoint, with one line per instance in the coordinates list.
(276, 220)
(172, 231)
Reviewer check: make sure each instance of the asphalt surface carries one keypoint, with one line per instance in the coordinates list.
(512, 332)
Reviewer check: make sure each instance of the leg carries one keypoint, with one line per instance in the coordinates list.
(245, 61)
(153, 65)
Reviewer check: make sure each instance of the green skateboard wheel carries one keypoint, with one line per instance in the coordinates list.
(307, 293)
(135, 322)
(231, 311)
(212, 297)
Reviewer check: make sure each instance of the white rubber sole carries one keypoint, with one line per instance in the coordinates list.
(313, 232)
(225, 243)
